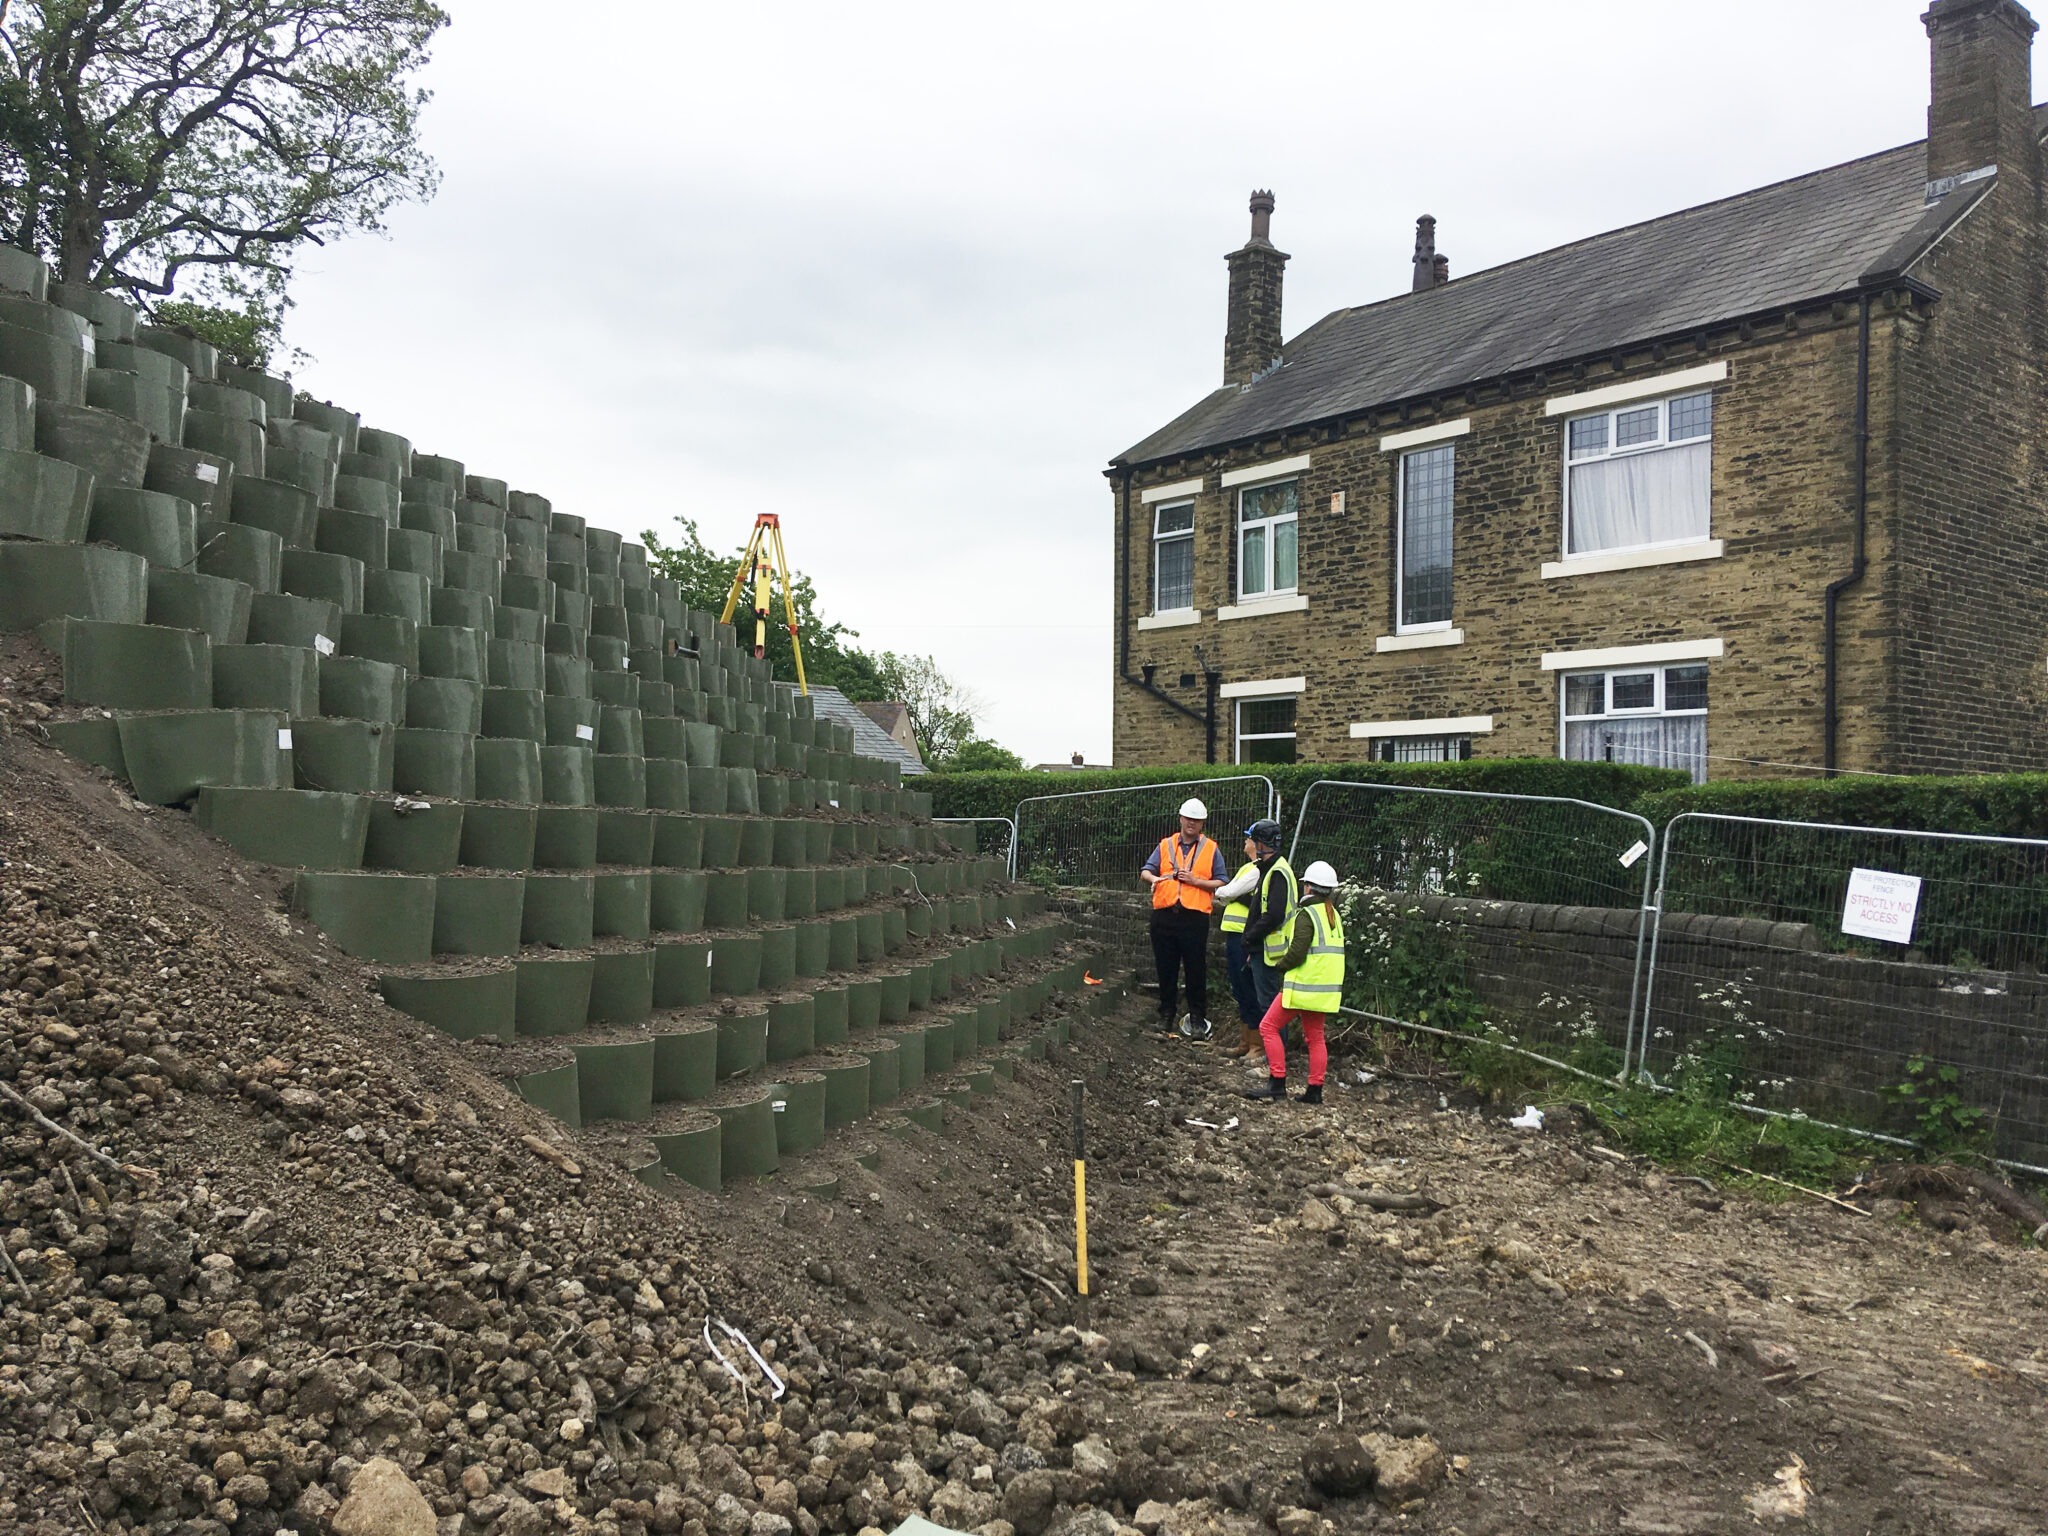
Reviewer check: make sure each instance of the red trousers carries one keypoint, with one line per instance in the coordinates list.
(1277, 1018)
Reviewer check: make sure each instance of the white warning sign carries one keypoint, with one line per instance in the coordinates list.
(1881, 905)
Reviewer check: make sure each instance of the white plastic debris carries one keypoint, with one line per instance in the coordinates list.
(1530, 1119)
(1364, 1076)
(737, 1337)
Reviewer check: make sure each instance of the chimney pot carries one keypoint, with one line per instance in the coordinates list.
(1440, 270)
(1425, 253)
(1262, 215)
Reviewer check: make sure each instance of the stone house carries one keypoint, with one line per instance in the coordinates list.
(1752, 487)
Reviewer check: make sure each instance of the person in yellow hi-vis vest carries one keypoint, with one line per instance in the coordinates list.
(1312, 986)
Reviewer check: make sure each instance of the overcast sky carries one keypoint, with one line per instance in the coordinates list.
(910, 275)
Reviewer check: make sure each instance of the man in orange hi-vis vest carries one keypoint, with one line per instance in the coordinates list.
(1184, 872)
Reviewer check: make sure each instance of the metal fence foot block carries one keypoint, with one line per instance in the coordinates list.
(896, 998)
(800, 1117)
(386, 918)
(747, 1142)
(465, 1007)
(846, 1090)
(742, 1043)
(692, 1153)
(553, 994)
(478, 914)
(423, 841)
(557, 909)
(553, 1091)
(686, 1063)
(615, 1082)
(778, 958)
(765, 895)
(306, 828)
(736, 965)
(497, 836)
(620, 904)
(441, 763)
(678, 842)
(792, 1029)
(682, 974)
(170, 758)
(136, 666)
(621, 986)
(884, 1070)
(565, 837)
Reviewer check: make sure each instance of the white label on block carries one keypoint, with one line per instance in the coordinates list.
(1636, 851)
(91, 346)
(586, 733)
(323, 645)
(1881, 905)
(284, 741)
(210, 473)
(707, 959)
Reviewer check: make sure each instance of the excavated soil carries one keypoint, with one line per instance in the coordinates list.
(338, 1239)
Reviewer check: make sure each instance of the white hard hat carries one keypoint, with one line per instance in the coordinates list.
(1320, 875)
(1195, 810)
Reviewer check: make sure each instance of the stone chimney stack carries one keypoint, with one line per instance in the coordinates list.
(1981, 110)
(1251, 337)
(1425, 253)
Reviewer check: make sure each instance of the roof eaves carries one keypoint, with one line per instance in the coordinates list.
(1934, 226)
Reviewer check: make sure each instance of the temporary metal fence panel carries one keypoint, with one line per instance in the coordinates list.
(1514, 921)
(1886, 980)
(1102, 837)
(999, 841)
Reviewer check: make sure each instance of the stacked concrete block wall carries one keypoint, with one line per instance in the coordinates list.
(554, 808)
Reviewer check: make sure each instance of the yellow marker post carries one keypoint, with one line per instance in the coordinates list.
(1080, 1195)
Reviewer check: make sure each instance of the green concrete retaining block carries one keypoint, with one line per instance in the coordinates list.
(618, 731)
(617, 690)
(615, 1082)
(515, 664)
(708, 791)
(433, 493)
(792, 1029)
(565, 837)
(290, 512)
(682, 973)
(747, 1139)
(740, 795)
(136, 666)
(478, 914)
(356, 688)
(445, 704)
(829, 1014)
(358, 535)
(213, 605)
(625, 837)
(846, 1090)
(56, 366)
(471, 572)
(619, 781)
(110, 448)
(917, 920)
(721, 841)
(845, 951)
(278, 618)
(676, 899)
(388, 447)
(940, 1047)
(523, 626)
(813, 948)
(415, 552)
(367, 495)
(497, 836)
(380, 917)
(467, 1006)
(170, 758)
(771, 795)
(725, 899)
(429, 466)
(401, 594)
(249, 555)
(553, 1092)
(565, 776)
(742, 1043)
(820, 835)
(926, 1114)
(868, 927)
(554, 993)
(830, 885)
(778, 957)
(853, 889)
(164, 530)
(441, 763)
(448, 650)
(764, 895)
(895, 933)
(354, 756)
(515, 713)
(757, 843)
(884, 1066)
(336, 579)
(895, 999)
(508, 770)
(668, 785)
(298, 827)
(799, 893)
(385, 637)
(736, 965)
(95, 741)
(693, 1152)
(621, 986)
(571, 722)
(863, 1005)
(424, 517)
(799, 1105)
(557, 910)
(619, 904)
(791, 838)
(990, 1019)
(909, 1059)
(40, 582)
(678, 841)
(663, 737)
(686, 1063)
(920, 982)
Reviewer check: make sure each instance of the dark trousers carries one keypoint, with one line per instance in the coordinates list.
(1242, 984)
(1265, 980)
(1180, 942)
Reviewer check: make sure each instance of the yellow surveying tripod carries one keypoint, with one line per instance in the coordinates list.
(767, 529)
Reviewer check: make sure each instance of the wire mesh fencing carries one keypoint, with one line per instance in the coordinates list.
(995, 836)
(1102, 837)
(1515, 922)
(1889, 981)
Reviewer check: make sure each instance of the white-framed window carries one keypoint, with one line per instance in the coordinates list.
(1265, 730)
(1173, 557)
(1651, 715)
(1423, 557)
(1266, 547)
(1639, 476)
(1422, 749)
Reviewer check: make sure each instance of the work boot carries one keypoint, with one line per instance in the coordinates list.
(1275, 1090)
(1248, 1041)
(1194, 1029)
(1312, 1094)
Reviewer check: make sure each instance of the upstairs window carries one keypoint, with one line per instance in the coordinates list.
(1428, 477)
(1266, 522)
(1265, 730)
(1656, 716)
(1173, 558)
(1639, 477)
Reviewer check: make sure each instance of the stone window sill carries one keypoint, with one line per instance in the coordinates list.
(1426, 640)
(1633, 559)
(1174, 620)
(1259, 607)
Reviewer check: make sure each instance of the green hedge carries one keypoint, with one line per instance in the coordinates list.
(1616, 784)
(2001, 805)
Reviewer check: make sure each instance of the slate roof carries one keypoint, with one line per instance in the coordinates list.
(1795, 241)
(869, 739)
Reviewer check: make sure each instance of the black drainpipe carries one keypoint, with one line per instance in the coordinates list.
(1212, 679)
(1835, 589)
(1123, 622)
